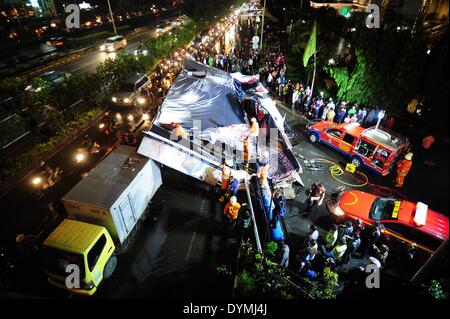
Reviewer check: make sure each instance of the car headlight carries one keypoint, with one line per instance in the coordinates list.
(126, 100)
(141, 100)
(338, 211)
(114, 99)
(102, 48)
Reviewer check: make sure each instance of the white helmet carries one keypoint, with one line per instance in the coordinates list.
(408, 156)
(253, 120)
(233, 200)
(227, 170)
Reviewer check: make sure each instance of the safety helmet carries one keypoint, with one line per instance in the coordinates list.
(227, 170)
(265, 154)
(253, 120)
(229, 162)
(233, 200)
(409, 156)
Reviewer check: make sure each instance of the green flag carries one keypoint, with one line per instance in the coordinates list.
(310, 47)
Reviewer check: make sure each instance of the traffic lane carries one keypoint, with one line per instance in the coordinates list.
(179, 246)
(89, 62)
(23, 212)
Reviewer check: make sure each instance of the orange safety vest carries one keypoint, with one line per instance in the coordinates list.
(232, 211)
(225, 179)
(264, 171)
(254, 130)
(403, 167)
(246, 150)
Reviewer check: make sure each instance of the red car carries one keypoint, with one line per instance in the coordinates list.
(408, 222)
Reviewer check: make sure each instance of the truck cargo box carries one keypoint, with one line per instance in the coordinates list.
(116, 193)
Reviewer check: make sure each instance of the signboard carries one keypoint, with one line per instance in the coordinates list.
(255, 46)
(255, 39)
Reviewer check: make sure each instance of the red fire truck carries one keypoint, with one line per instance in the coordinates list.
(375, 148)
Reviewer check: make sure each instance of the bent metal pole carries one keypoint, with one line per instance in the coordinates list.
(255, 228)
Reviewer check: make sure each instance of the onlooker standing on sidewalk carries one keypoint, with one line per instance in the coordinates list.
(316, 194)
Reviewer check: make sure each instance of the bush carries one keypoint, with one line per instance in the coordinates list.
(271, 249)
(435, 290)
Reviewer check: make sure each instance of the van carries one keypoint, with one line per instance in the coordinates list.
(113, 44)
(133, 91)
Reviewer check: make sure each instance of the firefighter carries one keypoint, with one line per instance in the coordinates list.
(226, 173)
(231, 210)
(264, 170)
(254, 128)
(246, 154)
(179, 132)
(403, 168)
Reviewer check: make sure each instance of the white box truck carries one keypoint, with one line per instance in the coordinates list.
(116, 193)
(103, 213)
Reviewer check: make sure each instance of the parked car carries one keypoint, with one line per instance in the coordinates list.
(113, 44)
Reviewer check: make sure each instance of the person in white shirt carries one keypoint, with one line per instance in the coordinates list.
(312, 249)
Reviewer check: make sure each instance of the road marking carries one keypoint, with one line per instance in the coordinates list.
(188, 255)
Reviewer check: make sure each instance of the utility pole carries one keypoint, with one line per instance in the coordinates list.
(112, 17)
(314, 75)
(262, 26)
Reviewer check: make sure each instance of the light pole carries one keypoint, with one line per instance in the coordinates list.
(380, 117)
(112, 17)
(262, 26)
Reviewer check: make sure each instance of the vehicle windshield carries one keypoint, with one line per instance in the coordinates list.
(384, 209)
(50, 77)
(126, 87)
(56, 261)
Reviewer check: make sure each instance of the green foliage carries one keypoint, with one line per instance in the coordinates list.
(261, 278)
(387, 70)
(327, 285)
(271, 249)
(53, 124)
(224, 270)
(435, 290)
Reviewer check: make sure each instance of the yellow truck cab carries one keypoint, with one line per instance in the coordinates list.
(90, 247)
(104, 210)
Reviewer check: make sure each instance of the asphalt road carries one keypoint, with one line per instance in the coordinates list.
(89, 62)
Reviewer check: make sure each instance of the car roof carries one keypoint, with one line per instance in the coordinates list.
(436, 225)
(115, 37)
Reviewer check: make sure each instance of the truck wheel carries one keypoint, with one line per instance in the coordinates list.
(356, 161)
(110, 267)
(313, 137)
